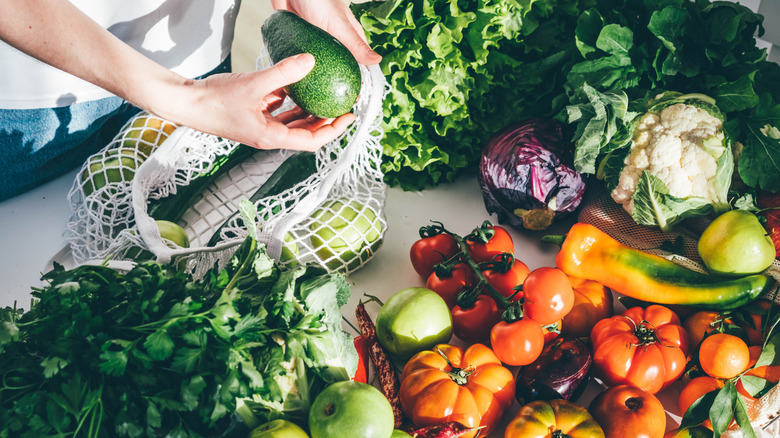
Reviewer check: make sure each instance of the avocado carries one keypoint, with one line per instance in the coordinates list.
(331, 88)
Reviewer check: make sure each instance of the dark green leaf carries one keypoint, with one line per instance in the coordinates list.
(722, 409)
(113, 358)
(52, 365)
(699, 411)
(769, 354)
(667, 26)
(743, 419)
(756, 386)
(738, 95)
(159, 345)
(153, 417)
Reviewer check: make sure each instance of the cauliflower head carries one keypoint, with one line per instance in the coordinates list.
(678, 163)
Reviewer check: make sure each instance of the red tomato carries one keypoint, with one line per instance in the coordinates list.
(430, 251)
(448, 284)
(517, 343)
(484, 243)
(472, 325)
(592, 303)
(547, 295)
(645, 348)
(506, 282)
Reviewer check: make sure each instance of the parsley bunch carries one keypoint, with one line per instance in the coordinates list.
(152, 352)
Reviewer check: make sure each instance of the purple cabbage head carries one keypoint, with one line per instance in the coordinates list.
(527, 177)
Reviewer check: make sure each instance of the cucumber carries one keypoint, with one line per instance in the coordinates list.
(292, 171)
(172, 208)
(331, 88)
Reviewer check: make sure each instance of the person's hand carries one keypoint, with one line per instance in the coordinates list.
(334, 17)
(238, 106)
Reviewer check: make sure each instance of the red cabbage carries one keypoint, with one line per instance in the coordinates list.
(526, 175)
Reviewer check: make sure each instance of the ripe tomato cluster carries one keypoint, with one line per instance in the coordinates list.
(493, 297)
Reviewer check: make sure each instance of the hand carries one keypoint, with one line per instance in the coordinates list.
(239, 106)
(334, 17)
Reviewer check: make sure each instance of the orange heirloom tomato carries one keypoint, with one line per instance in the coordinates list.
(645, 348)
(449, 384)
(556, 418)
(592, 302)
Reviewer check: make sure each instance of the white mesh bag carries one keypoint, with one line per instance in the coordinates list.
(333, 218)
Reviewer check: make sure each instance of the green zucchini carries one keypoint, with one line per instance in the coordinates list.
(292, 171)
(172, 208)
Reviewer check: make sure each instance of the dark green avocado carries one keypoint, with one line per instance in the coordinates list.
(331, 88)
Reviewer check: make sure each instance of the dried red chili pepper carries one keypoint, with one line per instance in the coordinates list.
(448, 429)
(388, 379)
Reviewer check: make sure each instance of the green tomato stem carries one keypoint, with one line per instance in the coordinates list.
(501, 300)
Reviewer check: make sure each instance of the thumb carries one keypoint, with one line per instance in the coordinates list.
(289, 70)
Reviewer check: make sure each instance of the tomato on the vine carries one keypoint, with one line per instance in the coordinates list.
(506, 281)
(448, 283)
(517, 343)
(486, 242)
(473, 324)
(547, 295)
(429, 251)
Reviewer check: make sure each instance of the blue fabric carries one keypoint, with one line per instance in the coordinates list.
(38, 145)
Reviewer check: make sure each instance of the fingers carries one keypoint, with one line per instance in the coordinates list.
(350, 33)
(288, 71)
(293, 114)
(305, 133)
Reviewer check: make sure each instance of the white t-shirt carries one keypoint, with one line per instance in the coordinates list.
(190, 37)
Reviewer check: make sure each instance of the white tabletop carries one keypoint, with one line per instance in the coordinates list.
(30, 235)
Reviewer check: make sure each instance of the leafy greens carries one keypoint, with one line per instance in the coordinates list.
(459, 71)
(152, 352)
(633, 50)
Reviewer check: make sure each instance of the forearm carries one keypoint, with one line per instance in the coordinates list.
(59, 34)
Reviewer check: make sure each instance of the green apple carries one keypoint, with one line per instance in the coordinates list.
(345, 232)
(736, 244)
(351, 409)
(412, 320)
(168, 230)
(116, 165)
(278, 429)
(173, 232)
(289, 250)
(400, 434)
